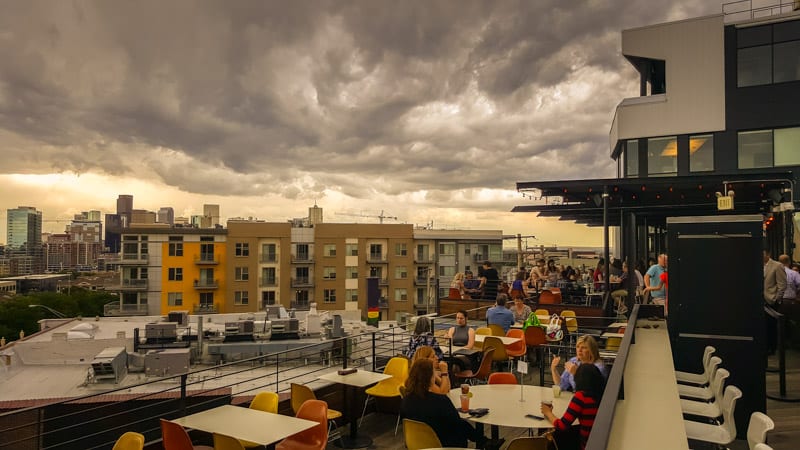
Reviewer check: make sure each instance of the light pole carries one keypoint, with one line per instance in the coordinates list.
(52, 311)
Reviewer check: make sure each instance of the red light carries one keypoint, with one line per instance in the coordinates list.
(658, 196)
(565, 190)
(590, 189)
(670, 188)
(644, 188)
(616, 189)
(633, 196)
(700, 187)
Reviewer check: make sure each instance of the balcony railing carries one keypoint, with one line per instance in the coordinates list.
(268, 258)
(133, 284)
(300, 305)
(376, 259)
(423, 259)
(267, 282)
(422, 281)
(302, 258)
(206, 259)
(383, 304)
(205, 309)
(134, 258)
(302, 282)
(383, 281)
(114, 309)
(206, 284)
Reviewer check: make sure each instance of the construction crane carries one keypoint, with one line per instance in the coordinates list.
(380, 216)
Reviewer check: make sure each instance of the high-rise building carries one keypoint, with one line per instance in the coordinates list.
(212, 212)
(166, 215)
(24, 228)
(125, 208)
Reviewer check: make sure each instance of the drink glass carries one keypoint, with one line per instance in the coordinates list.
(556, 391)
(464, 402)
(465, 388)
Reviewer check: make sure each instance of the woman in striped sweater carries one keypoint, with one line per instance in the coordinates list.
(589, 386)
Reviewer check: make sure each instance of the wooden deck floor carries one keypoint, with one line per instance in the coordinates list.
(786, 416)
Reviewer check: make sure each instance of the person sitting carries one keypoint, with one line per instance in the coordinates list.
(587, 352)
(621, 294)
(499, 314)
(472, 286)
(458, 283)
(589, 386)
(461, 334)
(422, 403)
(441, 378)
(423, 336)
(520, 310)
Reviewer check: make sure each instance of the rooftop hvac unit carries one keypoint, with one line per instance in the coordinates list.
(110, 364)
(179, 317)
(402, 317)
(161, 332)
(164, 363)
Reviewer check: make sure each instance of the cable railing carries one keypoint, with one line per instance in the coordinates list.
(757, 9)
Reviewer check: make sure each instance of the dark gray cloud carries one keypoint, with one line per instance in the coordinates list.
(362, 97)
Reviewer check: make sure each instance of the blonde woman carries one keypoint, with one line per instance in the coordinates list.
(586, 352)
(458, 283)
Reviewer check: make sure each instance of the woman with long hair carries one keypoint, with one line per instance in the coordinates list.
(441, 380)
(590, 384)
(423, 336)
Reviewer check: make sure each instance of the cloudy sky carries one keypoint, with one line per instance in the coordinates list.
(430, 111)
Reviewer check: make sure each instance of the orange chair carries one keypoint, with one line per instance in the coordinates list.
(174, 437)
(548, 297)
(454, 294)
(502, 378)
(314, 438)
(518, 349)
(483, 371)
(300, 393)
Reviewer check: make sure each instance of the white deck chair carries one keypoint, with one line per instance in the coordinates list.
(701, 392)
(698, 378)
(711, 410)
(717, 434)
(757, 429)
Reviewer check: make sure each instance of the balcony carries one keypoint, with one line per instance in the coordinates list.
(383, 303)
(205, 309)
(299, 305)
(206, 259)
(374, 258)
(302, 282)
(114, 309)
(134, 258)
(267, 282)
(206, 284)
(423, 259)
(133, 285)
(268, 258)
(423, 281)
(383, 282)
(302, 258)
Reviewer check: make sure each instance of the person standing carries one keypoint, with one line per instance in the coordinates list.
(792, 279)
(491, 281)
(774, 287)
(653, 283)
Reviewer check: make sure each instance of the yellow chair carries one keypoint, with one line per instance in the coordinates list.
(528, 443)
(497, 330)
(263, 401)
(571, 320)
(222, 442)
(397, 367)
(500, 354)
(301, 393)
(420, 435)
(129, 441)
(486, 331)
(542, 312)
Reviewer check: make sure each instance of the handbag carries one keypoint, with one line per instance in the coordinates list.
(554, 331)
(531, 321)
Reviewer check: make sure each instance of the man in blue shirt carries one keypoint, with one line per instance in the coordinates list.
(499, 314)
(653, 283)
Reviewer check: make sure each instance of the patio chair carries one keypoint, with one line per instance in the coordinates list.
(497, 330)
(518, 349)
(314, 438)
(130, 441)
(485, 331)
(398, 368)
(265, 401)
(483, 371)
(419, 435)
(717, 434)
(542, 312)
(175, 437)
(529, 443)
(701, 379)
(499, 354)
(757, 429)
(223, 442)
(300, 393)
(502, 378)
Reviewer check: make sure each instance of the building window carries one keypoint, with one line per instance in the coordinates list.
(376, 272)
(701, 153)
(207, 252)
(268, 276)
(787, 61)
(375, 251)
(351, 295)
(330, 250)
(242, 273)
(351, 272)
(755, 149)
(400, 295)
(787, 147)
(400, 272)
(241, 298)
(301, 297)
(267, 298)
(423, 253)
(175, 248)
(662, 156)
(329, 273)
(175, 299)
(754, 66)
(206, 300)
(632, 158)
(175, 274)
(447, 271)
(447, 249)
(242, 249)
(303, 253)
(351, 249)
(401, 250)
(268, 253)
(329, 295)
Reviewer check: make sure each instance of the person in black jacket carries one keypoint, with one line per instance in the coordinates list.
(436, 410)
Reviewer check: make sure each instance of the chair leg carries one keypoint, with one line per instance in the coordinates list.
(397, 424)
(363, 412)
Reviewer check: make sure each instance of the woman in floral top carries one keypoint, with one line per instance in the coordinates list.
(423, 336)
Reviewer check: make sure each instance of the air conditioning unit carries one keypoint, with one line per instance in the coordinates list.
(179, 317)
(110, 364)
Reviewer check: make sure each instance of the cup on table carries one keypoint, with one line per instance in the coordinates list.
(548, 403)
(464, 402)
(465, 388)
(556, 391)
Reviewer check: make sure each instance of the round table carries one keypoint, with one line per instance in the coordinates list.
(505, 406)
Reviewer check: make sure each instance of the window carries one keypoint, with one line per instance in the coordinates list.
(400, 295)
(351, 249)
(376, 272)
(755, 149)
(701, 153)
(268, 276)
(268, 253)
(329, 273)
(351, 272)
(175, 246)
(329, 295)
(175, 274)
(632, 158)
(662, 156)
(754, 66)
(400, 272)
(447, 271)
(787, 147)
(401, 250)
(447, 249)
(241, 298)
(375, 251)
(267, 298)
(206, 299)
(423, 253)
(787, 61)
(175, 299)
(242, 249)
(301, 297)
(330, 249)
(206, 238)
(206, 252)
(301, 275)
(302, 252)
(242, 273)
(351, 295)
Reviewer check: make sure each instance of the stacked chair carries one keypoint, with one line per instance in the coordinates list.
(720, 434)
(702, 392)
(701, 379)
(757, 429)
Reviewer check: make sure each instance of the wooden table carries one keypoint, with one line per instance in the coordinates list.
(359, 379)
(246, 424)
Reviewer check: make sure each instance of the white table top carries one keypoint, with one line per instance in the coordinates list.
(360, 378)
(609, 334)
(504, 339)
(505, 407)
(618, 324)
(651, 391)
(246, 424)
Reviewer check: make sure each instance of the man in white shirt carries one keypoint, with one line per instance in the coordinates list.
(792, 279)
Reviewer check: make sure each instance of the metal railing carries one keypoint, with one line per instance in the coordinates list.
(206, 259)
(206, 284)
(749, 9)
(115, 309)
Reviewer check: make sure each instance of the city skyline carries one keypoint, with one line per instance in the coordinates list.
(427, 112)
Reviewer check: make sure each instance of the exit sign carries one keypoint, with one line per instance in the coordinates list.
(725, 203)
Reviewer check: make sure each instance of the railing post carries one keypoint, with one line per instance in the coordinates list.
(374, 355)
(184, 378)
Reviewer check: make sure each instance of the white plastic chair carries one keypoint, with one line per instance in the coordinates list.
(757, 429)
(701, 392)
(711, 410)
(698, 378)
(717, 434)
(762, 447)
